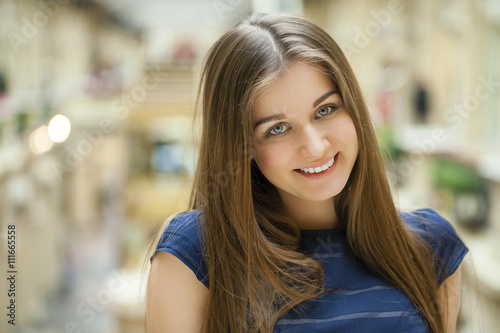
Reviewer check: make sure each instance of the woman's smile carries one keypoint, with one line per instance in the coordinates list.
(319, 172)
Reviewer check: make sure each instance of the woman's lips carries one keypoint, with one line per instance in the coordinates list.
(318, 173)
(319, 168)
(318, 164)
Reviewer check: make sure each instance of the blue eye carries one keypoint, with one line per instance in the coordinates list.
(276, 129)
(325, 110)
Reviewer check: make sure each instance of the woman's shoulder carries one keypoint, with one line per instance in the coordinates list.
(447, 246)
(417, 215)
(428, 222)
(184, 223)
(183, 238)
(183, 227)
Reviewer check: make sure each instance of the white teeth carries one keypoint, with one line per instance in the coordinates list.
(321, 168)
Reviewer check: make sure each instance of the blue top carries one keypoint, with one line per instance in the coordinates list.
(361, 302)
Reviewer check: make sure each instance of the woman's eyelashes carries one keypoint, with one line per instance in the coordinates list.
(281, 128)
(326, 110)
(276, 130)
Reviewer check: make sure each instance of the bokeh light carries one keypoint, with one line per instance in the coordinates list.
(40, 141)
(59, 128)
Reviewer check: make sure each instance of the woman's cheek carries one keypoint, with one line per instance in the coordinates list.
(275, 157)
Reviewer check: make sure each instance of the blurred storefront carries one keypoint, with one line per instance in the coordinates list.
(97, 146)
(62, 172)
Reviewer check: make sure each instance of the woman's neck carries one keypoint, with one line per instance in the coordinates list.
(310, 214)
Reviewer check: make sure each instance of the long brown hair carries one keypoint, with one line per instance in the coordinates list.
(255, 272)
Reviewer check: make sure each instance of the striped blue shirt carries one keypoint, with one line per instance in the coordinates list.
(359, 300)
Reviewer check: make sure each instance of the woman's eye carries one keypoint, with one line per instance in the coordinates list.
(325, 110)
(277, 129)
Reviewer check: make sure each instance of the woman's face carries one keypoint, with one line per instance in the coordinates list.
(301, 127)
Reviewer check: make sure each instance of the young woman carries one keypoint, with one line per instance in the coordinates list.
(292, 226)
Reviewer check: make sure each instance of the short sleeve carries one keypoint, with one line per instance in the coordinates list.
(449, 250)
(182, 238)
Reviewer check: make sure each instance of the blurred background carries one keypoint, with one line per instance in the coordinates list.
(97, 148)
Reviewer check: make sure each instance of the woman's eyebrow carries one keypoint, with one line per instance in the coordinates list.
(281, 116)
(325, 96)
(278, 116)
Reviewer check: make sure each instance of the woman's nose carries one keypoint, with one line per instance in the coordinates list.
(313, 142)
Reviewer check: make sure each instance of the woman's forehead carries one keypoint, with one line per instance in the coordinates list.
(300, 83)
